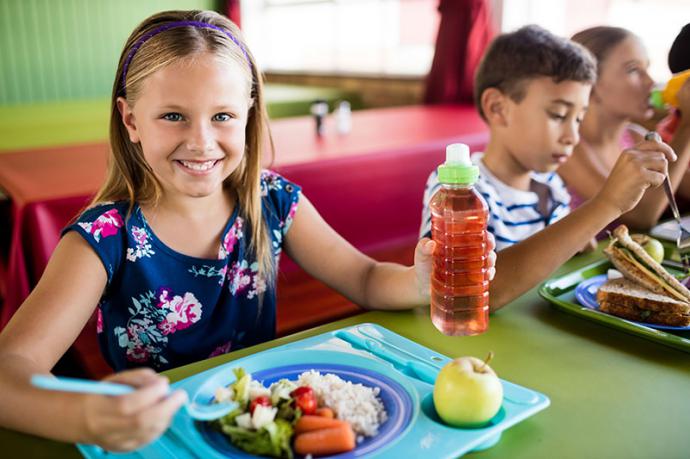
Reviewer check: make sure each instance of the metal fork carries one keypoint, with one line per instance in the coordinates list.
(683, 238)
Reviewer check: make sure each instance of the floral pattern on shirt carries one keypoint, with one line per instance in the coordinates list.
(245, 279)
(234, 234)
(277, 242)
(181, 311)
(209, 271)
(152, 318)
(288, 220)
(99, 319)
(272, 181)
(107, 224)
(143, 245)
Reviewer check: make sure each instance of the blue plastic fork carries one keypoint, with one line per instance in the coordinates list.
(198, 411)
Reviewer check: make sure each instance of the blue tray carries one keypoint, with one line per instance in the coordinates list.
(412, 426)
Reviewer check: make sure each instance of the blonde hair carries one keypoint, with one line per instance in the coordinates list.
(129, 177)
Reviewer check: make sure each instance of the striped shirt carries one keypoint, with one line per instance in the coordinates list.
(513, 214)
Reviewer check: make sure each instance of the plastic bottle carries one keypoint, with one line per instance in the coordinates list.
(459, 277)
(343, 117)
(668, 95)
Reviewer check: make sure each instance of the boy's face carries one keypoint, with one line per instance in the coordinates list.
(190, 120)
(541, 130)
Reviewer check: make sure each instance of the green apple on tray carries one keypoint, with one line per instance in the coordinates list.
(467, 392)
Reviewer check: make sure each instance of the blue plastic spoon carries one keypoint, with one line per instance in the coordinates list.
(417, 369)
(200, 412)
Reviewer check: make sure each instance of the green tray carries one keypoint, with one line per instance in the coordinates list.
(560, 291)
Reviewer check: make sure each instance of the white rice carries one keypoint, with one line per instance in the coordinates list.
(354, 403)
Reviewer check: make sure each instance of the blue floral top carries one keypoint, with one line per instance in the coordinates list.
(163, 309)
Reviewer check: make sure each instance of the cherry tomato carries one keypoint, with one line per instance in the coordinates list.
(262, 400)
(305, 399)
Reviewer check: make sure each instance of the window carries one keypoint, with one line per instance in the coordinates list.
(378, 37)
(397, 37)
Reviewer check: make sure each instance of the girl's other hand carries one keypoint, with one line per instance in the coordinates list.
(126, 422)
(423, 260)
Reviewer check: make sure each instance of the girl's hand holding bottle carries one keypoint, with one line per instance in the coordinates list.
(126, 422)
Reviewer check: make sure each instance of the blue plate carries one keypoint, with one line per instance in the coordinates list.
(396, 401)
(399, 397)
(586, 294)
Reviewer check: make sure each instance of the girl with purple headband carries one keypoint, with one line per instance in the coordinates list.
(178, 251)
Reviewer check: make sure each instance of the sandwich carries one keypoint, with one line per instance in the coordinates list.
(647, 292)
(637, 265)
(629, 300)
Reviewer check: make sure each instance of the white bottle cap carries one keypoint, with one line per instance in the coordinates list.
(458, 154)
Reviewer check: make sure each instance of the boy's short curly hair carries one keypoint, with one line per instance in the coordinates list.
(527, 53)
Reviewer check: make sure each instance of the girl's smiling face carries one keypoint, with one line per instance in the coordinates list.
(189, 118)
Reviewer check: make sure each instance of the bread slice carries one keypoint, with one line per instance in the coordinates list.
(645, 315)
(627, 299)
(625, 292)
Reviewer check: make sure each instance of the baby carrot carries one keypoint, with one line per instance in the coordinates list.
(310, 422)
(332, 440)
(325, 412)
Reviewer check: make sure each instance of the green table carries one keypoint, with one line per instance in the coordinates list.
(612, 394)
(85, 121)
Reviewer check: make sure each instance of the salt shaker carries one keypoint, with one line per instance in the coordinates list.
(343, 117)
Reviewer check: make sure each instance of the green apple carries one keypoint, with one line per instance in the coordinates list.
(467, 392)
(652, 246)
(655, 249)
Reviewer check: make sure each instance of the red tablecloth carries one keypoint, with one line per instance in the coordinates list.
(367, 184)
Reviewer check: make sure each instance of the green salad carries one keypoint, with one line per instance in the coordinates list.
(263, 423)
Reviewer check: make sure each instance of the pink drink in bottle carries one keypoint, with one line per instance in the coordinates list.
(459, 277)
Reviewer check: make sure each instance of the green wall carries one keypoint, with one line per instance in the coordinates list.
(55, 50)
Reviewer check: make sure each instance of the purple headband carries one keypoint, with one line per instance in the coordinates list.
(172, 25)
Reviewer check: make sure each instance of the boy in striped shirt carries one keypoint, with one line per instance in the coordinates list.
(532, 89)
